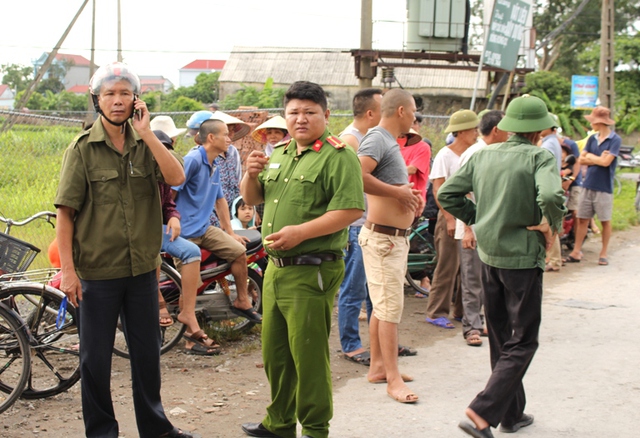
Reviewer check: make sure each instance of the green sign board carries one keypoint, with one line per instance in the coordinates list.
(505, 33)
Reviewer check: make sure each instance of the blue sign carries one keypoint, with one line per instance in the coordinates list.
(584, 92)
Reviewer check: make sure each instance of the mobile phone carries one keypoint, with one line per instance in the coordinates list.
(136, 112)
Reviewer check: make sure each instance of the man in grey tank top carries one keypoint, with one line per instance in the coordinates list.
(392, 206)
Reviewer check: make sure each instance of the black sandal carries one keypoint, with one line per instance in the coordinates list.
(363, 358)
(179, 433)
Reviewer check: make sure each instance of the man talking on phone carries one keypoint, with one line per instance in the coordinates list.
(109, 235)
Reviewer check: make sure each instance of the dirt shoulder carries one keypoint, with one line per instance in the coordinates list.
(214, 395)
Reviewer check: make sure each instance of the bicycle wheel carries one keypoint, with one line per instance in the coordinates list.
(422, 260)
(15, 357)
(55, 364)
(170, 287)
(237, 324)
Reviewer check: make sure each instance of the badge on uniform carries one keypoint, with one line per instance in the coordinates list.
(335, 142)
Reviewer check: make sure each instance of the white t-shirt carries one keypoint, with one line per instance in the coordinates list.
(463, 159)
(445, 164)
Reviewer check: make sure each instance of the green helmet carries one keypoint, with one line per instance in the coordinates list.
(462, 120)
(526, 114)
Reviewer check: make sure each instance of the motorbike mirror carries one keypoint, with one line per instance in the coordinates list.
(570, 160)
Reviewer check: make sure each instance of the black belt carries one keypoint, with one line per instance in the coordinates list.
(389, 231)
(305, 259)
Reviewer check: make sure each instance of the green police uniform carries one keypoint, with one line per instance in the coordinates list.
(298, 299)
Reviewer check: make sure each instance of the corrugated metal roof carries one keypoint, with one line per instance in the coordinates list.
(331, 67)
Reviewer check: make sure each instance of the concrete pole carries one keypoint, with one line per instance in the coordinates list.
(119, 34)
(605, 86)
(366, 35)
(90, 116)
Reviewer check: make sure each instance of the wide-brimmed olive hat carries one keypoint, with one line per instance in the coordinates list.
(526, 114)
(462, 120)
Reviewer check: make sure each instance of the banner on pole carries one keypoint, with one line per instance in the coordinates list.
(505, 33)
(584, 92)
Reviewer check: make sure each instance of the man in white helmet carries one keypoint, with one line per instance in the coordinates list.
(109, 235)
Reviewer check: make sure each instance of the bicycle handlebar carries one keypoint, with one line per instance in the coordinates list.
(11, 222)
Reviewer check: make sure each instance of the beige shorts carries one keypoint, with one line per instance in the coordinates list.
(593, 202)
(574, 198)
(385, 263)
(218, 242)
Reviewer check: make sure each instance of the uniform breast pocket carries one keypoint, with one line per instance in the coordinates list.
(142, 183)
(104, 186)
(271, 176)
(306, 188)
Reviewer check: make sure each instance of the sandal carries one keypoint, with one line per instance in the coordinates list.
(406, 351)
(165, 318)
(473, 338)
(201, 338)
(571, 259)
(363, 358)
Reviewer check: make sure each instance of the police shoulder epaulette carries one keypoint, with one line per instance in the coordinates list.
(282, 143)
(336, 142)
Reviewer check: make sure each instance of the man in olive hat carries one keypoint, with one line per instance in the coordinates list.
(463, 125)
(516, 185)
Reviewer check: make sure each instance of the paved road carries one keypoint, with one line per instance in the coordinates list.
(584, 380)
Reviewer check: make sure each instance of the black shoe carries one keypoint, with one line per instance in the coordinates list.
(178, 433)
(257, 429)
(525, 421)
(471, 429)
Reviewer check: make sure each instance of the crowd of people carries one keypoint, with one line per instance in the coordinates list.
(335, 214)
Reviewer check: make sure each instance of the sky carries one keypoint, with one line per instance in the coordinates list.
(160, 37)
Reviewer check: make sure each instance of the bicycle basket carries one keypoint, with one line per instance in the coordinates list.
(15, 254)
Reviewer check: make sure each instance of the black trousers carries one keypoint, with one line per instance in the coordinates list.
(135, 301)
(512, 302)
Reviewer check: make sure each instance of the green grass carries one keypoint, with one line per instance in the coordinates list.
(624, 212)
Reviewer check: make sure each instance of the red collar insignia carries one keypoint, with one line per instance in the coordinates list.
(317, 145)
(335, 142)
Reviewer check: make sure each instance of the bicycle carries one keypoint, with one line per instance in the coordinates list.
(15, 358)
(55, 365)
(422, 259)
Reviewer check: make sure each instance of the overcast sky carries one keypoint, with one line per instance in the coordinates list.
(160, 37)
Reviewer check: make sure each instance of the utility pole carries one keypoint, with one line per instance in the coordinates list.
(47, 63)
(366, 35)
(92, 65)
(605, 86)
(119, 34)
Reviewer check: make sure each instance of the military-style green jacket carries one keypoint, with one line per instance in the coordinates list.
(118, 226)
(326, 176)
(515, 184)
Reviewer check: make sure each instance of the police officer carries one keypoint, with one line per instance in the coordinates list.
(109, 234)
(312, 190)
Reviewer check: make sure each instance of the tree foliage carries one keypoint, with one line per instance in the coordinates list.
(562, 51)
(268, 97)
(552, 84)
(16, 76)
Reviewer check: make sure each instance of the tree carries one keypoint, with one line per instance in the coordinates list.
(16, 76)
(561, 51)
(268, 97)
(54, 81)
(184, 103)
(552, 84)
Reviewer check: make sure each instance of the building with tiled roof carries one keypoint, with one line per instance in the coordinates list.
(155, 83)
(77, 68)
(7, 98)
(189, 72)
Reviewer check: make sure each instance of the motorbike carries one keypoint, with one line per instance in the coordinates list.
(214, 297)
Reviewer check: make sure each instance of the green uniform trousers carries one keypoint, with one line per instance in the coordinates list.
(297, 306)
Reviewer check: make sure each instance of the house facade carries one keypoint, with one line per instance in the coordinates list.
(190, 72)
(78, 71)
(7, 98)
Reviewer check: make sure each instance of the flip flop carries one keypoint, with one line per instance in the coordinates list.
(405, 378)
(164, 316)
(200, 350)
(363, 358)
(250, 314)
(406, 396)
(406, 351)
(603, 261)
(201, 338)
(441, 322)
(571, 259)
